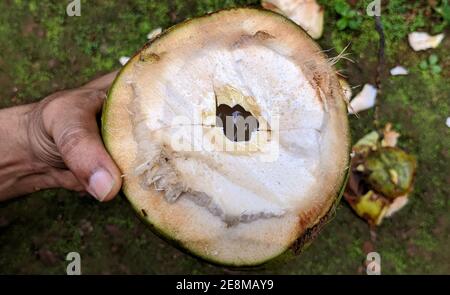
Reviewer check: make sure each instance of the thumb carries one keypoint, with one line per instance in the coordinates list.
(84, 154)
(76, 135)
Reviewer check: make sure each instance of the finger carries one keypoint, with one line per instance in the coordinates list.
(53, 178)
(76, 135)
(102, 83)
(80, 103)
(84, 154)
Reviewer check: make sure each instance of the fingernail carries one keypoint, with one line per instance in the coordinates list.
(100, 184)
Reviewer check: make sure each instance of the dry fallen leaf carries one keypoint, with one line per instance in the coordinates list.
(396, 205)
(389, 136)
(363, 100)
(306, 13)
(346, 89)
(423, 41)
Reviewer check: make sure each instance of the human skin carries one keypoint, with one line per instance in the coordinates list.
(56, 143)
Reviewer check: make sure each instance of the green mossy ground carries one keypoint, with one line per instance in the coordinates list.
(43, 50)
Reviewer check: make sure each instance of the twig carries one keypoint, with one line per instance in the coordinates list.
(380, 67)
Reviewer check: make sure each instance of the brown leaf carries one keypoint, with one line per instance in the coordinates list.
(390, 136)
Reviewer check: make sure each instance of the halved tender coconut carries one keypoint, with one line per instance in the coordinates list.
(396, 205)
(234, 202)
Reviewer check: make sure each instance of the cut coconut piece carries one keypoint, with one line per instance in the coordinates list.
(238, 200)
(123, 60)
(363, 100)
(155, 33)
(423, 41)
(306, 13)
(399, 71)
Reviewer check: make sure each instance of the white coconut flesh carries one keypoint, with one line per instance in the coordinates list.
(233, 202)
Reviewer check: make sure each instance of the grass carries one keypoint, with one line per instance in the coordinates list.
(43, 50)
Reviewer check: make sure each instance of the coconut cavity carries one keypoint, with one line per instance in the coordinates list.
(237, 123)
(232, 124)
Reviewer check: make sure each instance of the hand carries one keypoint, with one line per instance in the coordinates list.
(60, 146)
